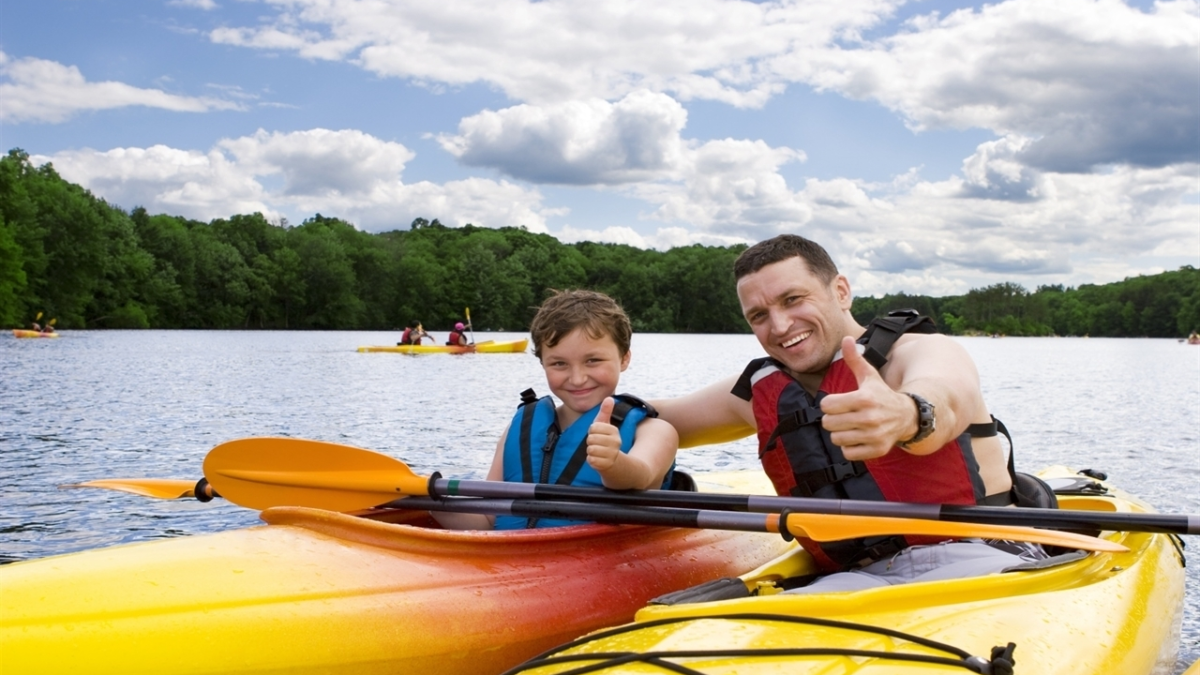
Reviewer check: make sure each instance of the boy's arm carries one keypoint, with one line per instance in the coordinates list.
(647, 462)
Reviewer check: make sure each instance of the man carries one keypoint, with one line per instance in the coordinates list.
(830, 424)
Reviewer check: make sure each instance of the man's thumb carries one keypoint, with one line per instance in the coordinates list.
(862, 369)
(605, 414)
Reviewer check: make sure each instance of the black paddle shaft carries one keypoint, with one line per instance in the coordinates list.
(1063, 519)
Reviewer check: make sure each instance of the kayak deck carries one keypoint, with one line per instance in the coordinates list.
(489, 347)
(322, 592)
(1102, 613)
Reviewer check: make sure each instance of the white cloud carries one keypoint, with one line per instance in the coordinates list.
(1091, 81)
(1094, 81)
(37, 90)
(557, 50)
(206, 5)
(346, 173)
(580, 142)
(1078, 225)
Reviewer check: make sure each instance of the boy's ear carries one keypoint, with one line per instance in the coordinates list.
(625, 361)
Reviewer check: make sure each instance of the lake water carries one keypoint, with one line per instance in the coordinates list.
(96, 404)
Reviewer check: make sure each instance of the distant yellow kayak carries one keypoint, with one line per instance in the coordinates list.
(489, 347)
(26, 333)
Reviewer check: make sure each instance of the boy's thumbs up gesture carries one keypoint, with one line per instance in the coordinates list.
(604, 440)
(871, 420)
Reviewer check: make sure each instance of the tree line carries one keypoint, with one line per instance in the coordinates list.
(90, 264)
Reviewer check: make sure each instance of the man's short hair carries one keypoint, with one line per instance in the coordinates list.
(781, 248)
(565, 311)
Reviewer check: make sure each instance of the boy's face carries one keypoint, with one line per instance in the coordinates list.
(583, 371)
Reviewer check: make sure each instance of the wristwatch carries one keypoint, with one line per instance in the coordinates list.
(926, 421)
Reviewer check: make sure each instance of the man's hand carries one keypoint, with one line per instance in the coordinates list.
(868, 422)
(604, 440)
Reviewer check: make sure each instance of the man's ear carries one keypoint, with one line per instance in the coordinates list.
(625, 361)
(841, 290)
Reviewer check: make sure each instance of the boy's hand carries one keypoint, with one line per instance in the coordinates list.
(604, 440)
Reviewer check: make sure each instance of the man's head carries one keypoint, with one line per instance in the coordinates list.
(796, 303)
(781, 248)
(459, 326)
(565, 311)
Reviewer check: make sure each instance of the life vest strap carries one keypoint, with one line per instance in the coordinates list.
(808, 482)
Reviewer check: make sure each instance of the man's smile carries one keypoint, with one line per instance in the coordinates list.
(797, 340)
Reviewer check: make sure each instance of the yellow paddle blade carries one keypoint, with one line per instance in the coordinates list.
(265, 472)
(159, 488)
(826, 527)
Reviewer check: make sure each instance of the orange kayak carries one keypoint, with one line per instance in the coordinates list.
(321, 592)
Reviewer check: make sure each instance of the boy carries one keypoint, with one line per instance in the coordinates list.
(582, 339)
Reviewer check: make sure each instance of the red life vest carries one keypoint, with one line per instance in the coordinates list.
(801, 460)
(455, 338)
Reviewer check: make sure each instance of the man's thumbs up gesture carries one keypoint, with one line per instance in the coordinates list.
(869, 421)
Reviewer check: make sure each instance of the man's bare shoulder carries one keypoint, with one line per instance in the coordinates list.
(924, 352)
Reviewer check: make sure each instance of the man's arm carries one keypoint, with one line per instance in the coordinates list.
(709, 415)
(870, 421)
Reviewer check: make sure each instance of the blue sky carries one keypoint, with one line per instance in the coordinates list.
(932, 146)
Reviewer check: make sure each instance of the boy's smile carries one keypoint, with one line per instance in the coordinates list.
(582, 371)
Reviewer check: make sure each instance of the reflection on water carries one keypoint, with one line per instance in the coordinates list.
(152, 403)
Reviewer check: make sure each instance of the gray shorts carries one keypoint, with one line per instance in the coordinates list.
(933, 562)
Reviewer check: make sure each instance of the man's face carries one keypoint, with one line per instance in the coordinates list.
(798, 320)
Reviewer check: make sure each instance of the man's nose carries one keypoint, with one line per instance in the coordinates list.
(780, 322)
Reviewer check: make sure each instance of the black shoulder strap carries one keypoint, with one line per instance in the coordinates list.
(883, 332)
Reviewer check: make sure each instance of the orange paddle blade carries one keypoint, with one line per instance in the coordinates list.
(826, 527)
(250, 472)
(159, 488)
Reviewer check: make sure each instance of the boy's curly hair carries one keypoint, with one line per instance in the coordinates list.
(565, 311)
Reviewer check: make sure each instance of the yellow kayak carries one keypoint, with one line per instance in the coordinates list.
(26, 333)
(1114, 613)
(315, 591)
(489, 347)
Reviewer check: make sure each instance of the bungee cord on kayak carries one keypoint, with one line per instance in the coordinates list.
(1000, 662)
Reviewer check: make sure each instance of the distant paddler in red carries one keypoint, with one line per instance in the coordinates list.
(457, 337)
(413, 333)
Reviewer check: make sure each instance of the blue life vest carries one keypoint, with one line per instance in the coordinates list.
(537, 451)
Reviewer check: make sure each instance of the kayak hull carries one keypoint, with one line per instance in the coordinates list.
(26, 333)
(1104, 613)
(506, 347)
(322, 592)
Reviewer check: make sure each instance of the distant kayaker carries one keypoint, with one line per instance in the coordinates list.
(456, 337)
(412, 334)
(891, 411)
(594, 437)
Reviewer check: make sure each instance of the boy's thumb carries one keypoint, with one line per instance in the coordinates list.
(605, 414)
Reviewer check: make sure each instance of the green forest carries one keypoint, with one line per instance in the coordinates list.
(88, 264)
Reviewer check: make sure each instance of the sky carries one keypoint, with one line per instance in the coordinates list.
(932, 146)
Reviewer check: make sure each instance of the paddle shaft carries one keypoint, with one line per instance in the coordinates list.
(820, 527)
(992, 515)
